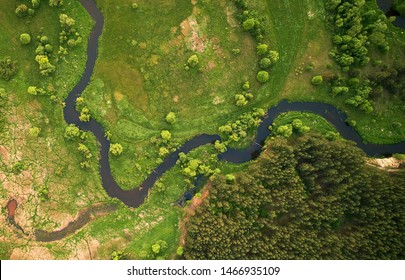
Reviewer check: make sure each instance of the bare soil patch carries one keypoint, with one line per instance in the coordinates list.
(190, 211)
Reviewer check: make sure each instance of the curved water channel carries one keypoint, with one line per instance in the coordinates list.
(136, 196)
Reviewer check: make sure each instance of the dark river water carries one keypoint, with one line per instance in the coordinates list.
(137, 195)
(386, 6)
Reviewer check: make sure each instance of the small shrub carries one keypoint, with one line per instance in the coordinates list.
(248, 24)
(246, 85)
(71, 132)
(8, 68)
(261, 49)
(274, 56)
(21, 10)
(235, 51)
(25, 38)
(116, 149)
(262, 76)
(230, 178)
(166, 135)
(34, 131)
(317, 80)
(193, 61)
(265, 63)
(171, 117)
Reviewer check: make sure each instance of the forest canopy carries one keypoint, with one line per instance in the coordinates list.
(309, 198)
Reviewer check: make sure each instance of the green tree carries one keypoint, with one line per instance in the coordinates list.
(85, 114)
(248, 24)
(45, 67)
(72, 132)
(180, 251)
(285, 130)
(163, 151)
(116, 149)
(220, 146)
(8, 68)
(193, 61)
(25, 38)
(119, 255)
(34, 131)
(171, 117)
(166, 135)
(156, 248)
(56, 3)
(230, 178)
(317, 80)
(274, 56)
(66, 22)
(21, 10)
(246, 85)
(261, 49)
(240, 100)
(33, 90)
(265, 63)
(262, 76)
(85, 151)
(35, 3)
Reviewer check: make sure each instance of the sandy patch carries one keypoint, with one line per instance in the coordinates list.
(389, 164)
(4, 155)
(190, 211)
(118, 96)
(191, 30)
(211, 65)
(31, 253)
(230, 16)
(87, 250)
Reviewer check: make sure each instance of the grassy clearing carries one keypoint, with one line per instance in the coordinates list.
(315, 122)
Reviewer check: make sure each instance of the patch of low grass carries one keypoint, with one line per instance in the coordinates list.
(315, 122)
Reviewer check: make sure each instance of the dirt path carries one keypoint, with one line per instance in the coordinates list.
(190, 211)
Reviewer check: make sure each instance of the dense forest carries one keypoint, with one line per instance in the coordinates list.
(305, 198)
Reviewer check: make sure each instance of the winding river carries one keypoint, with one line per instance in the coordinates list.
(136, 196)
